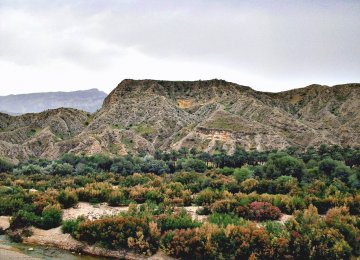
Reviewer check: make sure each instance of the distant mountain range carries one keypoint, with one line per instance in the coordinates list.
(145, 115)
(87, 100)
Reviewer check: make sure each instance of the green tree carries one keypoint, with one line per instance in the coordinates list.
(327, 166)
(154, 166)
(191, 164)
(242, 174)
(283, 164)
(124, 167)
(60, 168)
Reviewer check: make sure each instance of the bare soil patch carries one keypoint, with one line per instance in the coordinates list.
(92, 212)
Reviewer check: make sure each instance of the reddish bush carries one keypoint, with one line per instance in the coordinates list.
(242, 211)
(263, 211)
(183, 243)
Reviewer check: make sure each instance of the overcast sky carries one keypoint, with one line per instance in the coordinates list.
(268, 45)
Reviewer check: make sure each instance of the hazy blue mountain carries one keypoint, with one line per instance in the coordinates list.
(87, 100)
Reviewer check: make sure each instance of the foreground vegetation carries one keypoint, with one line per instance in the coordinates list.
(245, 197)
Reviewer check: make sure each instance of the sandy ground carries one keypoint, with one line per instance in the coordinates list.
(192, 211)
(91, 212)
(4, 222)
(10, 253)
(284, 218)
(53, 237)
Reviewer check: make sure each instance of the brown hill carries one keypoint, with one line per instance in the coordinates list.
(152, 114)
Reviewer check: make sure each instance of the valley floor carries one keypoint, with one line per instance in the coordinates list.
(56, 238)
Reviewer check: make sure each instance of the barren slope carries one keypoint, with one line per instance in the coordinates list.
(151, 114)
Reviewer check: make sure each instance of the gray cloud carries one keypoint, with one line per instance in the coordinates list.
(278, 44)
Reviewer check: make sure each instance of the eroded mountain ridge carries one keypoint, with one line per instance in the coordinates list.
(144, 115)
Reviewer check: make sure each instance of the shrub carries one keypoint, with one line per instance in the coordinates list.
(243, 242)
(224, 206)
(226, 171)
(207, 196)
(203, 210)
(81, 181)
(323, 205)
(154, 196)
(118, 232)
(224, 220)
(70, 158)
(212, 242)
(23, 219)
(354, 205)
(285, 185)
(186, 178)
(29, 169)
(136, 179)
(310, 237)
(138, 193)
(15, 236)
(117, 198)
(10, 205)
(60, 168)
(249, 185)
(97, 191)
(263, 211)
(340, 219)
(51, 217)
(71, 226)
(183, 243)
(5, 166)
(180, 220)
(68, 198)
(83, 169)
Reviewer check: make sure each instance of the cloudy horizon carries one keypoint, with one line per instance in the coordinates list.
(267, 45)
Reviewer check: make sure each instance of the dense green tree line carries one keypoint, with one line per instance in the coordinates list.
(325, 162)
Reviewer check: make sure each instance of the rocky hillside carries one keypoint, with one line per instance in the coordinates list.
(88, 100)
(150, 114)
